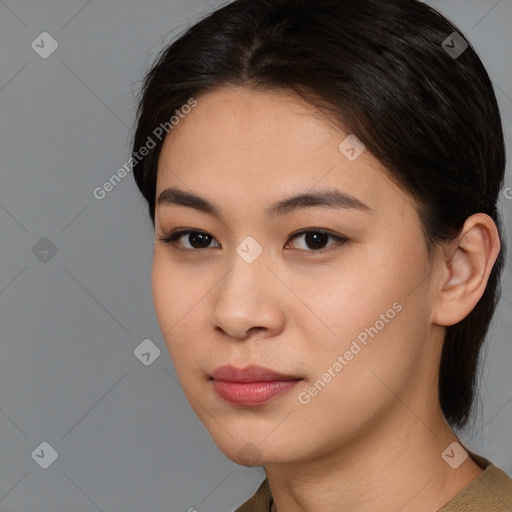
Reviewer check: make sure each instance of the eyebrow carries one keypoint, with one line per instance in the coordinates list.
(330, 198)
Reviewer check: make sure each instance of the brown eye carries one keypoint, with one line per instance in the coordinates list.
(196, 239)
(315, 240)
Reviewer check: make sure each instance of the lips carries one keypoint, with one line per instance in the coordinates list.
(250, 386)
(252, 373)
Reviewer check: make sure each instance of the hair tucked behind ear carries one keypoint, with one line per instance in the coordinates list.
(381, 71)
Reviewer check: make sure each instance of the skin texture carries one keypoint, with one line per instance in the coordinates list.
(372, 438)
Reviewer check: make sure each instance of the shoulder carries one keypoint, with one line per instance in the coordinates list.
(490, 492)
(259, 501)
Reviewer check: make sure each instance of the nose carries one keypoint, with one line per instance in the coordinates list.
(249, 299)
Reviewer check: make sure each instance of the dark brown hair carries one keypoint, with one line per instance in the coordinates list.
(383, 72)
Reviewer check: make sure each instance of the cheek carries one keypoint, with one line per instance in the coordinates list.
(164, 294)
(179, 304)
(364, 311)
(175, 293)
(378, 363)
(344, 298)
(168, 301)
(354, 382)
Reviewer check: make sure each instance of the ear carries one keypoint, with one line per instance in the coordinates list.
(466, 267)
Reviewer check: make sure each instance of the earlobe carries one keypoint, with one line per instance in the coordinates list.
(467, 270)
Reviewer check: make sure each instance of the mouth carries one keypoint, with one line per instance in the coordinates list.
(252, 385)
(252, 373)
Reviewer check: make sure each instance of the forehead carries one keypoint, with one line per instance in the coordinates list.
(261, 145)
(241, 116)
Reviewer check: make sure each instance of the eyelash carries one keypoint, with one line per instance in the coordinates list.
(172, 238)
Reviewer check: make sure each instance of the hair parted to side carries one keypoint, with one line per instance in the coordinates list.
(379, 70)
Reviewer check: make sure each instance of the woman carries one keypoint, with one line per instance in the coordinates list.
(322, 177)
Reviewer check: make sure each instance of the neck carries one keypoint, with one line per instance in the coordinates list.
(395, 465)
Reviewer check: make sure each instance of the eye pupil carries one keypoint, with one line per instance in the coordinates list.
(202, 238)
(313, 238)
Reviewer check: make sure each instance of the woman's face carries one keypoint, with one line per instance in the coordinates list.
(351, 319)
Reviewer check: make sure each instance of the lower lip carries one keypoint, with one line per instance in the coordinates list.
(252, 393)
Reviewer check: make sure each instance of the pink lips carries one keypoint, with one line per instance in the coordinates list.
(252, 385)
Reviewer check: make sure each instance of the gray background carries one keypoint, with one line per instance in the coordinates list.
(125, 435)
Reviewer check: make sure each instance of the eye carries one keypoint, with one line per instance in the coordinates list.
(197, 239)
(315, 239)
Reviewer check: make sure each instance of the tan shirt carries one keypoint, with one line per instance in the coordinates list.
(490, 492)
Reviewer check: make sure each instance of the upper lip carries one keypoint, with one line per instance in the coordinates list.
(251, 373)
